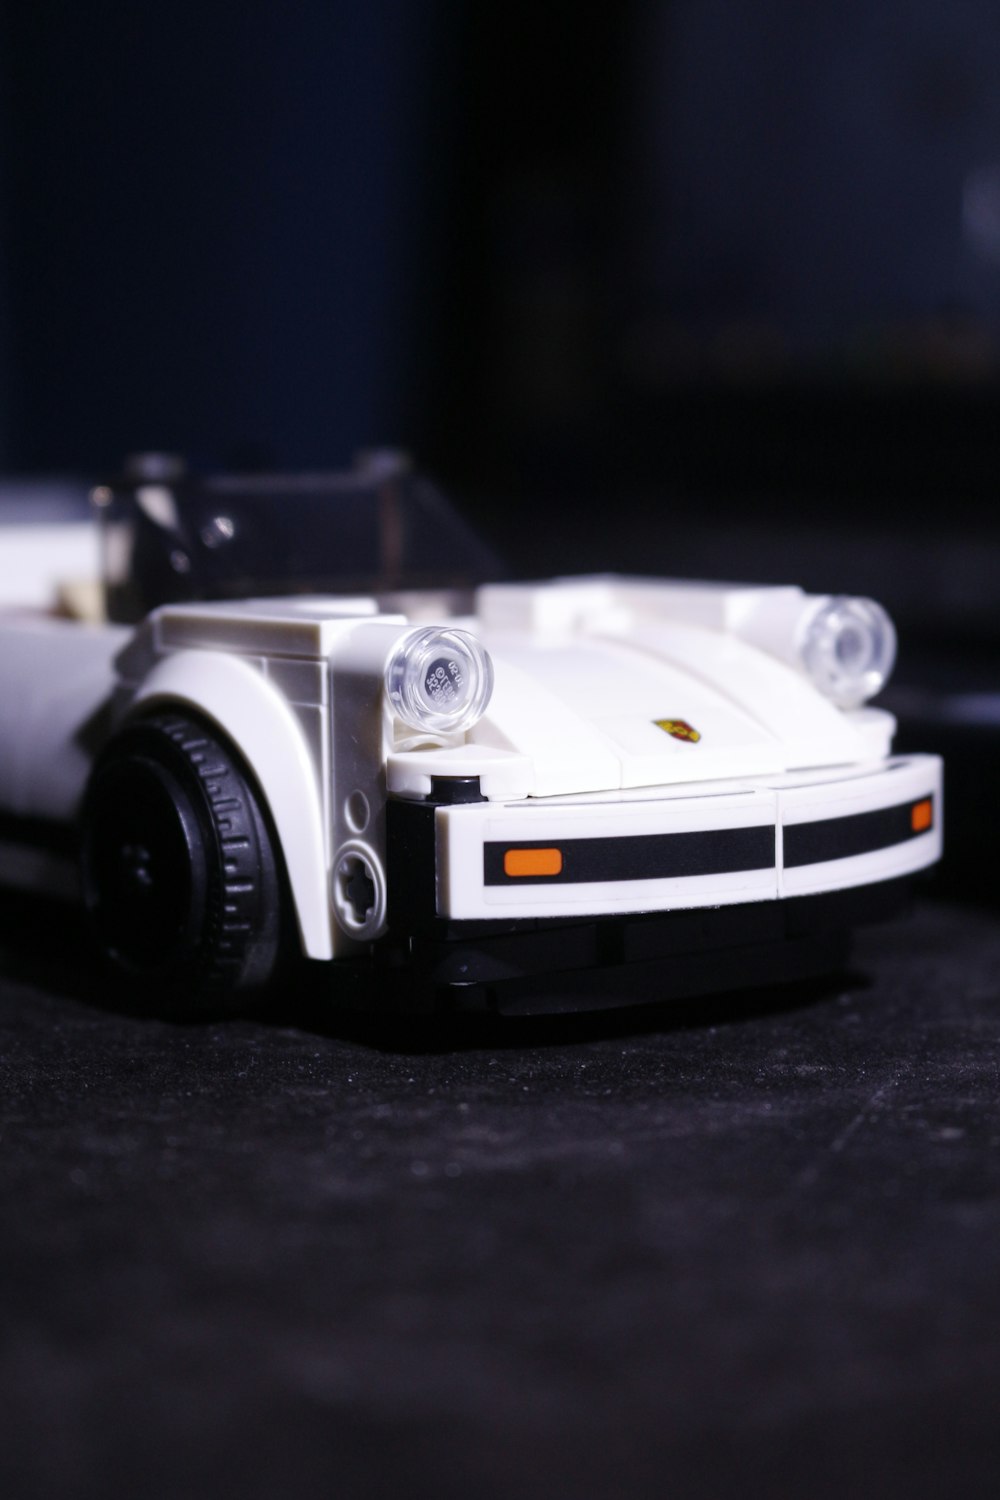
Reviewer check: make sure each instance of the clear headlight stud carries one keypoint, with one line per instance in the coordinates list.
(439, 680)
(849, 649)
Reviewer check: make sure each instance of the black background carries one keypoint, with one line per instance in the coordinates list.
(676, 286)
(746, 1245)
(683, 288)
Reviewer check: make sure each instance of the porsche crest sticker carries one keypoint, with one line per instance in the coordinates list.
(680, 729)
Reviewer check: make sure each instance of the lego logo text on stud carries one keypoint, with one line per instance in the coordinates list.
(439, 679)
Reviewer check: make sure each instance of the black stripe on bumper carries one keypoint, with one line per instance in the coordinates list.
(858, 833)
(656, 856)
(666, 856)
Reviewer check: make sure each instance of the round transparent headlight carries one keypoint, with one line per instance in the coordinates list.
(849, 649)
(439, 679)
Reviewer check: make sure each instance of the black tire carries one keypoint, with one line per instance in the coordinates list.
(181, 878)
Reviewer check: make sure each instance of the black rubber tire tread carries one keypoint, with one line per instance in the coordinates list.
(229, 927)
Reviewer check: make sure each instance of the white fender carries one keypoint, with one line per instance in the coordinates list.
(262, 727)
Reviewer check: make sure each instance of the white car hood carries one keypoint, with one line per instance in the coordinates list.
(662, 703)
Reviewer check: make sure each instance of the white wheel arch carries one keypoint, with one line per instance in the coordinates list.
(262, 728)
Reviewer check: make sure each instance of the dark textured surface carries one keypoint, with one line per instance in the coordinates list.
(748, 1248)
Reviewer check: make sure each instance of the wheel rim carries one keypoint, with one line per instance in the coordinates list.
(143, 874)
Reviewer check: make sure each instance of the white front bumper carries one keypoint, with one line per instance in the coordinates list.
(720, 844)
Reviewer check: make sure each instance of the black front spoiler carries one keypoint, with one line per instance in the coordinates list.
(547, 965)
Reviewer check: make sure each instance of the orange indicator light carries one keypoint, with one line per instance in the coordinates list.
(922, 816)
(532, 862)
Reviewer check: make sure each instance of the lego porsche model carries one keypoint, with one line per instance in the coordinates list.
(280, 716)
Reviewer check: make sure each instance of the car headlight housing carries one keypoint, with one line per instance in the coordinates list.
(439, 680)
(849, 649)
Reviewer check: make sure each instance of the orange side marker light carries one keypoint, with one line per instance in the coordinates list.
(922, 816)
(532, 862)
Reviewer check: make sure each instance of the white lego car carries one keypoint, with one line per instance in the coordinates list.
(530, 796)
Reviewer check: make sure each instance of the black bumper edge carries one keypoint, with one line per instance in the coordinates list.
(550, 964)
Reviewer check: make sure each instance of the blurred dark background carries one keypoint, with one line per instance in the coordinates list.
(698, 287)
(692, 287)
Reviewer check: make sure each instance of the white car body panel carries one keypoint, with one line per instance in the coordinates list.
(772, 805)
(570, 748)
(251, 711)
